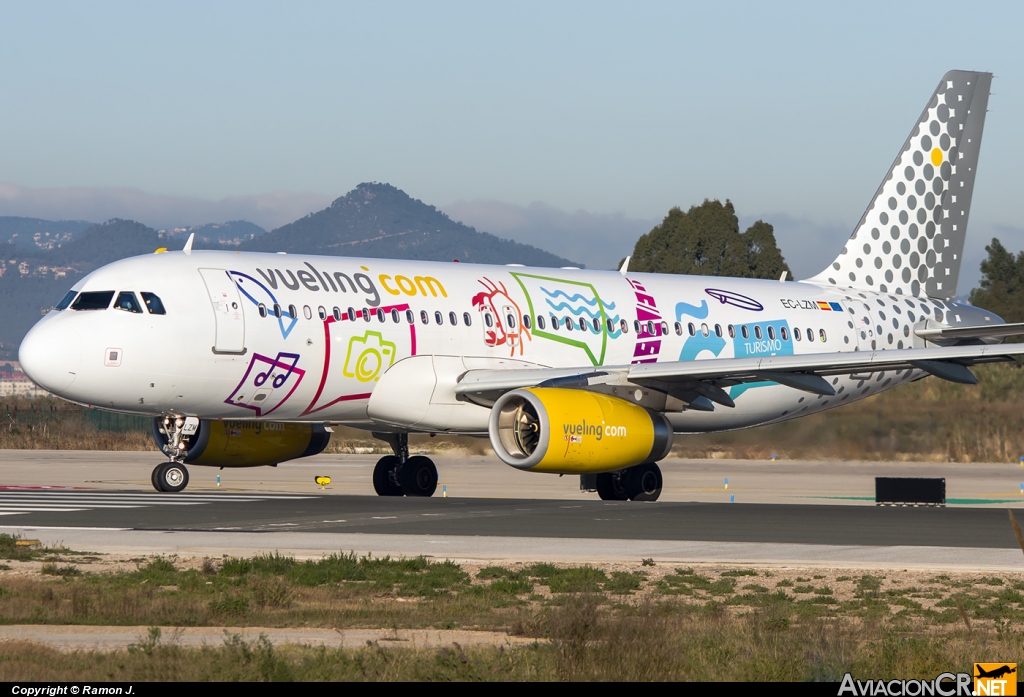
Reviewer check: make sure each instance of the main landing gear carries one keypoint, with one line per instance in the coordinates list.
(639, 483)
(401, 475)
(172, 477)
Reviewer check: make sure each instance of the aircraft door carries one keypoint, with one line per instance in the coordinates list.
(227, 311)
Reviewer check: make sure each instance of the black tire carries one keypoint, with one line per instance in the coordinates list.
(612, 486)
(154, 479)
(644, 482)
(382, 482)
(172, 477)
(418, 476)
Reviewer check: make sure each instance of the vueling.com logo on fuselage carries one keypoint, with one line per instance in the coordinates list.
(574, 432)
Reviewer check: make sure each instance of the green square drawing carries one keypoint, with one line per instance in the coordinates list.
(599, 360)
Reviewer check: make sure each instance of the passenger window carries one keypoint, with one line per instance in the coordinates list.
(597, 324)
(292, 312)
(466, 319)
(568, 324)
(424, 317)
(583, 324)
(540, 321)
(366, 314)
(771, 332)
(98, 300)
(810, 334)
(664, 328)
(821, 333)
(691, 329)
(322, 312)
(554, 323)
(704, 331)
(307, 312)
(624, 326)
(744, 331)
(351, 314)
(679, 329)
(394, 316)
(732, 332)
(153, 304)
(127, 301)
(636, 326)
(757, 331)
(650, 328)
(511, 319)
(784, 333)
(277, 310)
(718, 330)
(488, 320)
(337, 314)
(438, 318)
(526, 322)
(66, 300)
(796, 334)
(409, 317)
(380, 315)
(262, 310)
(452, 318)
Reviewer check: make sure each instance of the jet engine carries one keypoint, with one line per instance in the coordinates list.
(550, 429)
(247, 443)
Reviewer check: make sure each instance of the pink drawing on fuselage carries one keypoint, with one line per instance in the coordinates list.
(646, 349)
(314, 404)
(498, 305)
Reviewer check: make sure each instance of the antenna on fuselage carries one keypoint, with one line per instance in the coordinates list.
(188, 245)
(625, 266)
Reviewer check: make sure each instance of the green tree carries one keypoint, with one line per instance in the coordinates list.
(1002, 284)
(706, 241)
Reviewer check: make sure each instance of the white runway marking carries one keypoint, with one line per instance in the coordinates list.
(13, 502)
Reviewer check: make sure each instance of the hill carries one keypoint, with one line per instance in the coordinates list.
(35, 233)
(380, 220)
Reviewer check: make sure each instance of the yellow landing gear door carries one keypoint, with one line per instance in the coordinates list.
(227, 311)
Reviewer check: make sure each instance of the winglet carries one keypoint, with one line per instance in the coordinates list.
(188, 245)
(625, 266)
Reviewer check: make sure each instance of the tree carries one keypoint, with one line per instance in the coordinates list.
(706, 241)
(1002, 284)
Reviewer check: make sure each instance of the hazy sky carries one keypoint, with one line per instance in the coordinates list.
(588, 111)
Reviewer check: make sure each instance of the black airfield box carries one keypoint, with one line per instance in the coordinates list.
(910, 491)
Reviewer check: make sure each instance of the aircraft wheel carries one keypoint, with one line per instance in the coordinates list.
(383, 483)
(418, 476)
(645, 482)
(611, 486)
(153, 477)
(171, 477)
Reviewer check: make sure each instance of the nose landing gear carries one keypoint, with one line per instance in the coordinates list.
(401, 475)
(174, 433)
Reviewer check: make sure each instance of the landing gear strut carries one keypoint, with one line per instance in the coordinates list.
(639, 483)
(401, 475)
(172, 477)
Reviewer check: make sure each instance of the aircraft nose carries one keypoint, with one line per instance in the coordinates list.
(50, 356)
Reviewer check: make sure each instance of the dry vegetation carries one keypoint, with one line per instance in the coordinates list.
(641, 621)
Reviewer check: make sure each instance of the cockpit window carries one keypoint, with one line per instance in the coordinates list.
(97, 300)
(127, 301)
(153, 303)
(63, 304)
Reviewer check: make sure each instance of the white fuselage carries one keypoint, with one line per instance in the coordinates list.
(214, 355)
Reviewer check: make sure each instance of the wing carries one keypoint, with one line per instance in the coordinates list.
(979, 332)
(692, 380)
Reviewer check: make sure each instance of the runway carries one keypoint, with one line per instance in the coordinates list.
(784, 513)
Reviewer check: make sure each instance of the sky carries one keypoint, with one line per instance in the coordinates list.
(575, 126)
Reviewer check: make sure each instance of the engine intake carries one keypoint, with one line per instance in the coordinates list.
(248, 443)
(550, 429)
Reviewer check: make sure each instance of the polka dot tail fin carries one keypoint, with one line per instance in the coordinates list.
(910, 240)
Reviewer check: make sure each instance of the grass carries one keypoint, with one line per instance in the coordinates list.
(643, 623)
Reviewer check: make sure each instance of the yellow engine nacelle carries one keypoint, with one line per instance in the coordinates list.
(248, 443)
(550, 429)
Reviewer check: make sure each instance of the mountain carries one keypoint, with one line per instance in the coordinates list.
(380, 220)
(34, 233)
(217, 235)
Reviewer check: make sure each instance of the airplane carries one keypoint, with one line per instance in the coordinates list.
(249, 359)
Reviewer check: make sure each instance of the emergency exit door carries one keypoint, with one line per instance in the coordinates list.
(227, 311)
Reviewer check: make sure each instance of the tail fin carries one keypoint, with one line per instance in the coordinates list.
(910, 240)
